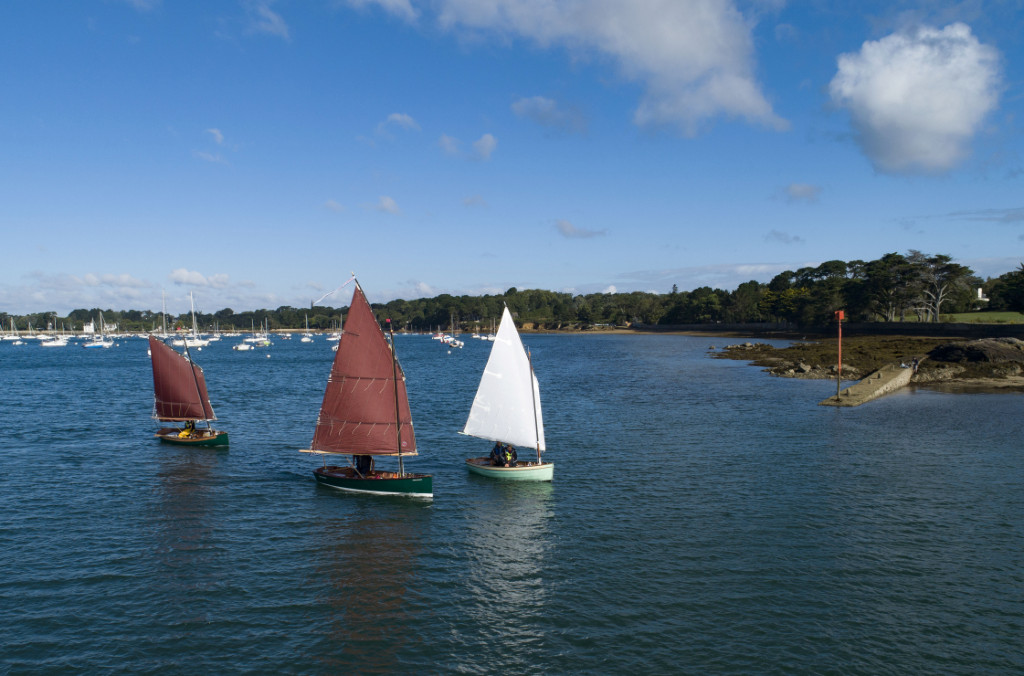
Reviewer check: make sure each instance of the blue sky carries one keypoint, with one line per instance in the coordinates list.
(256, 152)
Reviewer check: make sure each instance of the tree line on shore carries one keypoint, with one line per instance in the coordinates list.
(896, 287)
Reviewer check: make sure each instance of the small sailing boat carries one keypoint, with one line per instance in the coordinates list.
(193, 339)
(179, 395)
(365, 412)
(506, 409)
(307, 337)
(99, 339)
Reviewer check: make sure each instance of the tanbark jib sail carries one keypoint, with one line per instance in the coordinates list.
(179, 388)
(357, 416)
(507, 404)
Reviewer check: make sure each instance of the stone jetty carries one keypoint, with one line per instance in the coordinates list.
(889, 378)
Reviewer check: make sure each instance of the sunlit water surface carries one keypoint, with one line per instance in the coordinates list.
(704, 518)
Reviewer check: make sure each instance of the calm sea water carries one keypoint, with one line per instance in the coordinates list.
(704, 518)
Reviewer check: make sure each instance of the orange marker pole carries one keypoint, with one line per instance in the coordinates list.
(839, 371)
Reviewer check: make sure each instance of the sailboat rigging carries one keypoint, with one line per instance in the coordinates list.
(365, 412)
(193, 339)
(507, 411)
(179, 395)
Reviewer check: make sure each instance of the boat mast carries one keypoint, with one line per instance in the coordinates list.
(195, 379)
(398, 414)
(533, 398)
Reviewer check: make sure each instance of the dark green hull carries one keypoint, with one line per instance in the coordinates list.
(376, 483)
(170, 436)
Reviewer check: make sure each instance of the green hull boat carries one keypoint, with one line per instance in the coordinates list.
(376, 483)
(179, 395)
(170, 435)
(522, 471)
(507, 411)
(365, 412)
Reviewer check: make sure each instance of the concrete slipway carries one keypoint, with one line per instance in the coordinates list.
(889, 378)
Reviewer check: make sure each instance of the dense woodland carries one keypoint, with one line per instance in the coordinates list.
(896, 287)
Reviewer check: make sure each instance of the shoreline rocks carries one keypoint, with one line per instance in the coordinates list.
(941, 361)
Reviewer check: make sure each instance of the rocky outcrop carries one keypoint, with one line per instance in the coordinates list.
(995, 362)
(764, 355)
(990, 350)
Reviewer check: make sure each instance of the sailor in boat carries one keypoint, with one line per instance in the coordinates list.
(364, 465)
(503, 455)
(188, 430)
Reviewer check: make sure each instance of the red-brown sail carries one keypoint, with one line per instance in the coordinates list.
(357, 416)
(179, 388)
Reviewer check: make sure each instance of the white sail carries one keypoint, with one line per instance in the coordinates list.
(507, 403)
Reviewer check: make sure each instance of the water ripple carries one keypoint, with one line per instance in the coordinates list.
(704, 518)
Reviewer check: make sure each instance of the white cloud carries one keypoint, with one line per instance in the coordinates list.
(334, 206)
(63, 292)
(387, 205)
(1013, 215)
(184, 277)
(610, 289)
(117, 281)
(695, 60)
(785, 32)
(143, 5)
(218, 137)
(782, 237)
(262, 19)
(569, 230)
(209, 157)
(402, 120)
(546, 112)
(916, 99)
(448, 144)
(484, 146)
(397, 120)
(400, 8)
(802, 192)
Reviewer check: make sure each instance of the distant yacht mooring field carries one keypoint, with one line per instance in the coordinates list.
(705, 518)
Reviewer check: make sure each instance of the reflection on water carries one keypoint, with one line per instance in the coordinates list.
(368, 562)
(185, 554)
(508, 541)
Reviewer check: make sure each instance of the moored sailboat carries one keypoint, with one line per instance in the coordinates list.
(193, 339)
(179, 395)
(99, 340)
(506, 409)
(365, 413)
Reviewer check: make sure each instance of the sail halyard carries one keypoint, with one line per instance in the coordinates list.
(179, 386)
(365, 410)
(507, 405)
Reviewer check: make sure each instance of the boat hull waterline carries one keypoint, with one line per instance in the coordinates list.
(170, 435)
(521, 472)
(376, 483)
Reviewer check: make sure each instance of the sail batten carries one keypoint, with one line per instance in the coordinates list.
(357, 415)
(507, 403)
(179, 387)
